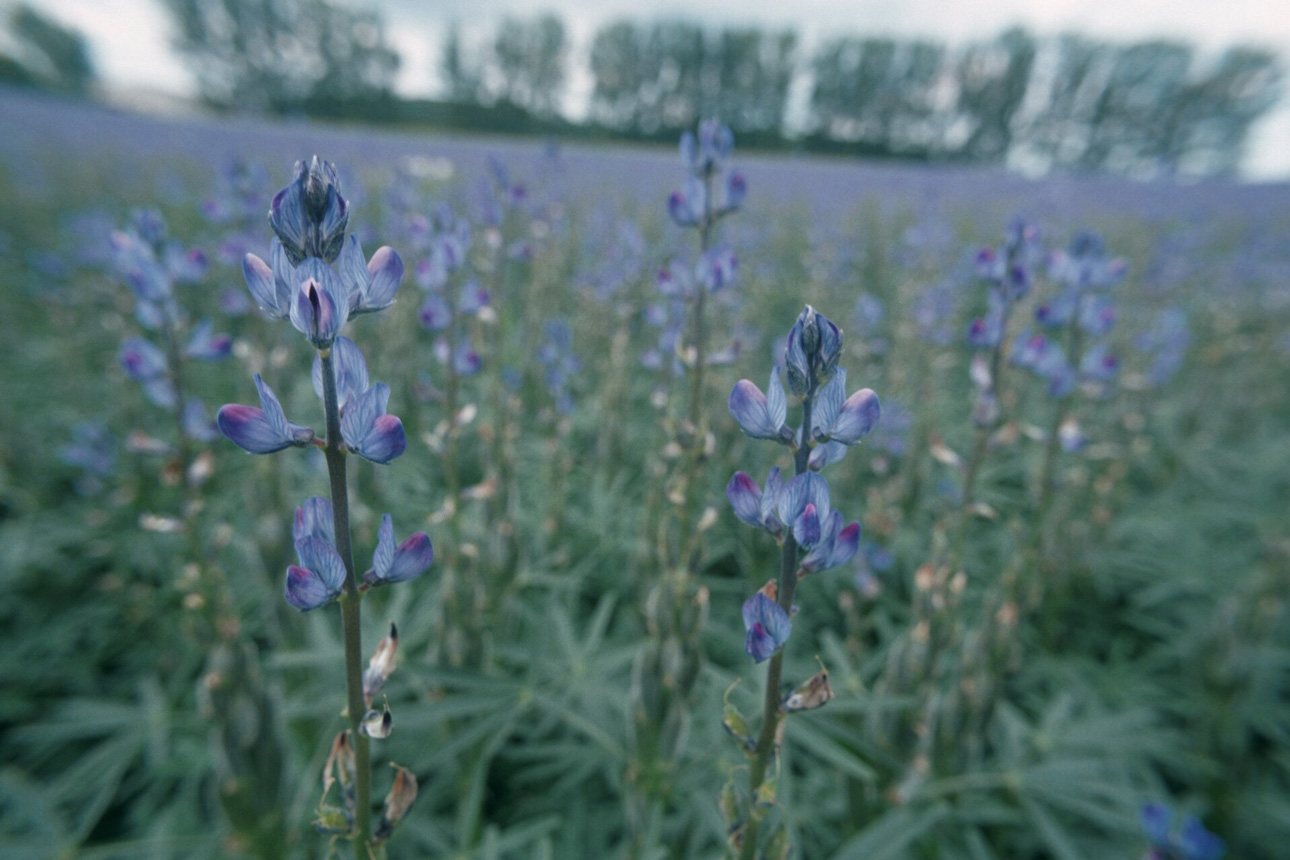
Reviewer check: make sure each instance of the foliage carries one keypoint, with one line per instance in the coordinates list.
(1134, 649)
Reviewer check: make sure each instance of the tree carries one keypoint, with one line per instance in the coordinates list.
(529, 58)
(49, 53)
(283, 54)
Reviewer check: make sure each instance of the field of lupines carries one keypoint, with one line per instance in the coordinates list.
(1025, 444)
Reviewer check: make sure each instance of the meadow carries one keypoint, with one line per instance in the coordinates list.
(1063, 632)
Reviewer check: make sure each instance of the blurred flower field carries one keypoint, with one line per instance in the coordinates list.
(1059, 630)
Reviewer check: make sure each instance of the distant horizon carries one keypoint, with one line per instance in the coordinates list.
(129, 42)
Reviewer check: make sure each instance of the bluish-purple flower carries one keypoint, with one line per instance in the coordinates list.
(753, 505)
(371, 286)
(845, 421)
(263, 430)
(760, 415)
(320, 303)
(368, 431)
(205, 345)
(768, 626)
(400, 563)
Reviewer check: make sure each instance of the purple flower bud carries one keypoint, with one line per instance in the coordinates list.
(141, 360)
(264, 430)
(716, 269)
(407, 561)
(736, 191)
(435, 314)
(309, 215)
(767, 624)
(368, 431)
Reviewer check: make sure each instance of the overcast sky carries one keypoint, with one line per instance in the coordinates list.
(130, 38)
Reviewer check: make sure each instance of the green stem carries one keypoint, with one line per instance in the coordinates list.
(771, 714)
(350, 609)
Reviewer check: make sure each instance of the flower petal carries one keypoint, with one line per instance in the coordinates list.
(304, 590)
(745, 498)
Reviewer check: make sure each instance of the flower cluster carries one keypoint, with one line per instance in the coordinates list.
(154, 266)
(317, 279)
(319, 576)
(705, 156)
(799, 508)
(316, 275)
(443, 240)
(1083, 308)
(1191, 841)
(1009, 274)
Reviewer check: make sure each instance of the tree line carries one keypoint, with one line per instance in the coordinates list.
(1067, 102)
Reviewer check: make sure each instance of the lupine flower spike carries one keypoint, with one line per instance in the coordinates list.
(316, 277)
(812, 536)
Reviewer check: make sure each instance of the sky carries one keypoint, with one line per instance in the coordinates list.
(130, 39)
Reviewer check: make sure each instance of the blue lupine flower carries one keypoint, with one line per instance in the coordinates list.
(93, 451)
(320, 304)
(310, 215)
(435, 314)
(270, 283)
(1197, 843)
(205, 345)
(1099, 364)
(1085, 266)
(350, 369)
(736, 191)
(717, 268)
(196, 421)
(806, 528)
(687, 207)
(707, 151)
(844, 421)
(264, 430)
(314, 518)
(1097, 315)
(759, 415)
(145, 363)
(319, 577)
(768, 626)
(754, 506)
(806, 498)
(400, 563)
(986, 332)
(371, 286)
(368, 431)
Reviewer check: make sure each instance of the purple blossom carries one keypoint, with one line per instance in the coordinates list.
(759, 415)
(368, 431)
(264, 430)
(754, 506)
(205, 345)
(768, 626)
(320, 304)
(400, 563)
(845, 421)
